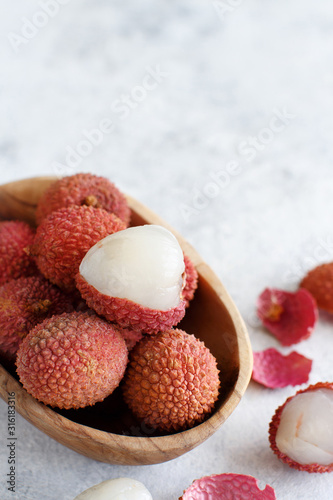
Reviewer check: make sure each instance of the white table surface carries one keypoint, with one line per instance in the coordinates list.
(226, 70)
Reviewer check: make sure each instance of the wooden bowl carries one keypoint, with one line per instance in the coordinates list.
(107, 431)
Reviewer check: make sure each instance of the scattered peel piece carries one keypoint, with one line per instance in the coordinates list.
(303, 428)
(235, 486)
(290, 317)
(319, 282)
(274, 370)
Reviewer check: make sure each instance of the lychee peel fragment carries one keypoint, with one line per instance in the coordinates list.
(300, 427)
(290, 317)
(128, 314)
(319, 282)
(191, 280)
(233, 486)
(72, 360)
(274, 370)
(172, 381)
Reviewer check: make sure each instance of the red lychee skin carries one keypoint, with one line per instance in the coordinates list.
(83, 189)
(127, 313)
(272, 369)
(63, 239)
(319, 282)
(15, 263)
(24, 303)
(172, 381)
(130, 336)
(274, 425)
(290, 317)
(191, 280)
(72, 360)
(227, 486)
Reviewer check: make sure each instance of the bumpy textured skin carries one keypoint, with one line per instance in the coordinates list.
(227, 486)
(63, 239)
(172, 381)
(83, 189)
(191, 280)
(127, 313)
(15, 263)
(24, 303)
(130, 336)
(319, 282)
(273, 427)
(290, 317)
(273, 370)
(72, 360)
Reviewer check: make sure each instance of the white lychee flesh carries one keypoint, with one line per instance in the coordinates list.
(305, 432)
(144, 264)
(116, 489)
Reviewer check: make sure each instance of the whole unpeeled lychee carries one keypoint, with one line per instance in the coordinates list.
(24, 303)
(72, 360)
(135, 278)
(319, 282)
(83, 189)
(63, 239)
(301, 432)
(172, 381)
(15, 237)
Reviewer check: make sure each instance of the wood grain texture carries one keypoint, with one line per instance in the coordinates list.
(107, 431)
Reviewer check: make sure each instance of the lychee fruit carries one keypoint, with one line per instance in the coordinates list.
(72, 360)
(15, 237)
(290, 317)
(83, 189)
(121, 488)
(24, 303)
(172, 381)
(228, 486)
(63, 239)
(273, 369)
(319, 282)
(191, 280)
(301, 432)
(135, 278)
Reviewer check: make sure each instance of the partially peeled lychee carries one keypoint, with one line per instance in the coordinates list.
(135, 278)
(301, 432)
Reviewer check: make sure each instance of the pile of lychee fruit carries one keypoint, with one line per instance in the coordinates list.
(88, 303)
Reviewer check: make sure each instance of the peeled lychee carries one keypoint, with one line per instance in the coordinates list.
(319, 282)
(227, 486)
(63, 239)
(191, 280)
(83, 189)
(135, 278)
(24, 303)
(15, 237)
(301, 432)
(122, 488)
(172, 381)
(72, 360)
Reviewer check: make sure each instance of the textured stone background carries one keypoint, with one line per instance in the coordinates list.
(205, 149)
